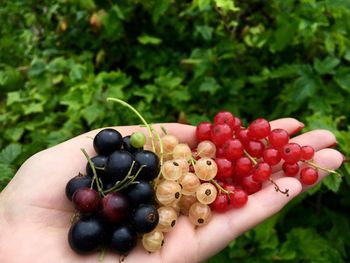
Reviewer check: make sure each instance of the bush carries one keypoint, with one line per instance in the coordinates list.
(183, 61)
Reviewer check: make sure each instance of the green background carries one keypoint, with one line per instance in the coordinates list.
(184, 61)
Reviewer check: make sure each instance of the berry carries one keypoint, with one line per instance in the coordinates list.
(168, 191)
(182, 151)
(86, 235)
(308, 175)
(238, 199)
(167, 218)
(86, 200)
(290, 169)
(153, 241)
(138, 139)
(259, 129)
(271, 156)
(307, 153)
(232, 149)
(242, 135)
(171, 170)
(225, 117)
(255, 148)
(206, 169)
(128, 147)
(291, 153)
(206, 193)
(140, 193)
(189, 183)
(221, 203)
(262, 172)
(220, 133)
(237, 124)
(107, 141)
(203, 131)
(225, 169)
(199, 214)
(115, 207)
(206, 149)
(99, 162)
(278, 138)
(119, 165)
(150, 162)
(76, 183)
(145, 218)
(243, 166)
(123, 239)
(169, 142)
(249, 185)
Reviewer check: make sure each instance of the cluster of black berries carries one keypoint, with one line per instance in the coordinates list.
(115, 199)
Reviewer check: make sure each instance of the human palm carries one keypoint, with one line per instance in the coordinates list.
(35, 214)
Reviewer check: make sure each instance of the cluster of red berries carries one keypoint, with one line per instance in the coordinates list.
(245, 156)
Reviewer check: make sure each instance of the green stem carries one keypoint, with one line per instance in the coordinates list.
(220, 187)
(323, 169)
(250, 157)
(95, 178)
(139, 115)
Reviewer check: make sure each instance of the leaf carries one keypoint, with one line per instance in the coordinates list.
(332, 182)
(226, 5)
(282, 37)
(33, 108)
(209, 85)
(205, 31)
(342, 78)
(6, 175)
(147, 39)
(13, 97)
(38, 66)
(92, 113)
(159, 9)
(306, 85)
(168, 81)
(327, 65)
(10, 153)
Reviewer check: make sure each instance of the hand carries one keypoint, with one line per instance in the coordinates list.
(35, 213)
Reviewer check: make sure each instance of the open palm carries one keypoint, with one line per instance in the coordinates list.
(35, 213)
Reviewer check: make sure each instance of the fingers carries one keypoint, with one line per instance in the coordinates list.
(225, 227)
(291, 125)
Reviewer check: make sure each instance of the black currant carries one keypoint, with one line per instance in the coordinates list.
(86, 235)
(150, 162)
(128, 147)
(123, 239)
(115, 207)
(140, 193)
(118, 165)
(76, 183)
(107, 141)
(145, 218)
(99, 162)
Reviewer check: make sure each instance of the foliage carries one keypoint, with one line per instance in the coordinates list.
(183, 61)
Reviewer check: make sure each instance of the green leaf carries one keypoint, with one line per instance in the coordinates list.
(342, 78)
(226, 5)
(115, 8)
(327, 65)
(147, 39)
(306, 85)
(205, 31)
(33, 108)
(159, 9)
(92, 113)
(332, 182)
(10, 153)
(13, 97)
(209, 85)
(6, 174)
(282, 37)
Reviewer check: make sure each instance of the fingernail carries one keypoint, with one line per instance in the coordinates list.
(301, 125)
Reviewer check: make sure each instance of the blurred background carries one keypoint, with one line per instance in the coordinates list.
(182, 61)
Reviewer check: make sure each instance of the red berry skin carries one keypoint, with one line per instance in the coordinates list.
(221, 203)
(239, 199)
(242, 135)
(308, 176)
(86, 200)
(237, 124)
(243, 166)
(255, 148)
(290, 169)
(249, 185)
(220, 133)
(278, 138)
(271, 156)
(225, 117)
(259, 129)
(232, 149)
(220, 153)
(115, 207)
(307, 152)
(203, 131)
(262, 172)
(225, 169)
(291, 153)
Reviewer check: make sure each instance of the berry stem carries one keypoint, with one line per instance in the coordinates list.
(250, 157)
(164, 130)
(95, 178)
(278, 189)
(222, 190)
(138, 115)
(323, 169)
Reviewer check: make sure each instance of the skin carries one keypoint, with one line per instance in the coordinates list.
(35, 213)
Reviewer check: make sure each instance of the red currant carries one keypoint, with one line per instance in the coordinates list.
(278, 138)
(220, 133)
(203, 131)
(307, 152)
(237, 124)
(290, 169)
(243, 166)
(239, 198)
(225, 117)
(249, 185)
(232, 149)
(291, 153)
(225, 169)
(262, 172)
(221, 203)
(242, 135)
(86, 200)
(255, 148)
(308, 175)
(271, 156)
(259, 129)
